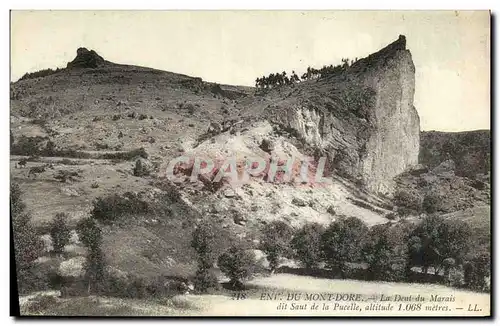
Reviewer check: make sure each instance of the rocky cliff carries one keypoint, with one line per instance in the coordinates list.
(94, 118)
(363, 118)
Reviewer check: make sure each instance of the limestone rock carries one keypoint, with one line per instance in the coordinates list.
(366, 122)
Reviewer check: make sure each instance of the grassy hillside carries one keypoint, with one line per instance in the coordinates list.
(470, 150)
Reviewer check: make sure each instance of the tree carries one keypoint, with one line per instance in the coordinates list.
(385, 251)
(476, 270)
(237, 264)
(94, 268)
(436, 239)
(275, 242)
(342, 242)
(203, 242)
(59, 232)
(448, 265)
(307, 244)
(27, 245)
(90, 235)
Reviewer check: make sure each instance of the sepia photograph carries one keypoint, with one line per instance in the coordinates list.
(190, 163)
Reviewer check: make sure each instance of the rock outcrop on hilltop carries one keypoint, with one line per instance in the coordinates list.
(362, 118)
(86, 59)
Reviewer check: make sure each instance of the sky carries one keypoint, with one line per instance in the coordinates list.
(450, 49)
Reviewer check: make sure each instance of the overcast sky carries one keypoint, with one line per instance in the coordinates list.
(450, 49)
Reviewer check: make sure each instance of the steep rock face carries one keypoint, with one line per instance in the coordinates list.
(362, 118)
(394, 145)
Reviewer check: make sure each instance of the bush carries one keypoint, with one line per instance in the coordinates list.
(108, 209)
(476, 271)
(140, 170)
(60, 232)
(125, 155)
(307, 244)
(29, 146)
(66, 161)
(237, 264)
(41, 303)
(27, 245)
(275, 242)
(65, 175)
(430, 203)
(40, 73)
(391, 216)
(189, 107)
(409, 199)
(342, 242)
(205, 281)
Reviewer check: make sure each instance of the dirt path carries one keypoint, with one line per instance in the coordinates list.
(285, 286)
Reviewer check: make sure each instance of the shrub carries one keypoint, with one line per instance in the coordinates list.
(41, 303)
(94, 185)
(342, 242)
(125, 155)
(27, 245)
(60, 232)
(66, 161)
(391, 216)
(71, 153)
(476, 270)
(430, 204)
(410, 200)
(65, 175)
(40, 73)
(275, 242)
(237, 264)
(140, 169)
(307, 244)
(189, 107)
(100, 146)
(108, 209)
(29, 146)
(455, 278)
(205, 280)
